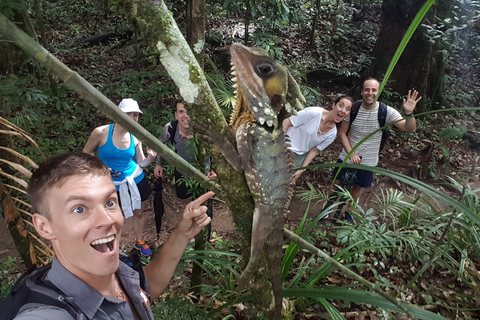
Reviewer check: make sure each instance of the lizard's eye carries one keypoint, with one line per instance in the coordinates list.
(264, 69)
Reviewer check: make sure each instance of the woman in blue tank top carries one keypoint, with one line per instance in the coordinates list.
(123, 154)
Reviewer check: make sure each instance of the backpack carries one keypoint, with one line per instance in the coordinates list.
(172, 128)
(382, 119)
(32, 287)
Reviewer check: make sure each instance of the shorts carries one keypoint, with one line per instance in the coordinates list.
(298, 159)
(364, 177)
(181, 188)
(143, 187)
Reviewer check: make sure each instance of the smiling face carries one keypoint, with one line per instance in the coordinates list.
(84, 225)
(370, 91)
(182, 117)
(341, 109)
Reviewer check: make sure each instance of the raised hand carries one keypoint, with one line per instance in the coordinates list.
(151, 153)
(410, 103)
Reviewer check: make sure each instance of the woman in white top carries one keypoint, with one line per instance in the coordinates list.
(313, 129)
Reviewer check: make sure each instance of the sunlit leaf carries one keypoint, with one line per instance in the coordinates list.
(21, 182)
(18, 167)
(21, 156)
(17, 131)
(9, 187)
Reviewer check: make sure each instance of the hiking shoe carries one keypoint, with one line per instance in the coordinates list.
(348, 217)
(143, 248)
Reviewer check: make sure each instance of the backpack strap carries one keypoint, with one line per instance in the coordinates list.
(354, 110)
(382, 115)
(47, 294)
(135, 262)
(382, 120)
(172, 129)
(32, 289)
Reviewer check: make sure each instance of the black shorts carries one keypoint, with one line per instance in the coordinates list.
(143, 187)
(364, 177)
(183, 192)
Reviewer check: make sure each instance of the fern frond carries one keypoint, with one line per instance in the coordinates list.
(452, 133)
(312, 194)
(312, 96)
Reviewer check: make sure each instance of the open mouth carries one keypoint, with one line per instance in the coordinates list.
(104, 245)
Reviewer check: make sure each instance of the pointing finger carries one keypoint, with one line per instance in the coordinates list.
(197, 202)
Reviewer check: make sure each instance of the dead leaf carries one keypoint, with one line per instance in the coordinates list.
(10, 211)
(21, 228)
(334, 279)
(33, 257)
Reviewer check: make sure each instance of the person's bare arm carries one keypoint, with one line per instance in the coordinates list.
(160, 270)
(342, 134)
(96, 139)
(140, 156)
(287, 123)
(308, 159)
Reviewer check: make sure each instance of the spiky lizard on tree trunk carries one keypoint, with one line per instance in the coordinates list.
(266, 95)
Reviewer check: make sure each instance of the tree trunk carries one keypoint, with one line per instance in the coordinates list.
(421, 65)
(196, 27)
(196, 39)
(247, 19)
(314, 23)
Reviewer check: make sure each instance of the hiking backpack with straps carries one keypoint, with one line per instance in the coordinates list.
(32, 287)
(172, 129)
(382, 119)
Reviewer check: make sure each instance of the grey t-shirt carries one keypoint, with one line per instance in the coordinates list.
(89, 301)
(180, 143)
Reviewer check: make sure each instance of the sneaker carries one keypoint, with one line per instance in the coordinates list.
(143, 248)
(348, 217)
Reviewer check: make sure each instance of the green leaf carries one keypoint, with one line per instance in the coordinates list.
(360, 296)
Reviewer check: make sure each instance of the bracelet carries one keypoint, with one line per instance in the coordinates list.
(408, 115)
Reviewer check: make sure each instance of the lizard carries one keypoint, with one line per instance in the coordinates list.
(266, 94)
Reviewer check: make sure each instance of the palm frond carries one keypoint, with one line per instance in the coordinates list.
(16, 210)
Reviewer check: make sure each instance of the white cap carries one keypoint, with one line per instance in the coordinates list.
(129, 105)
